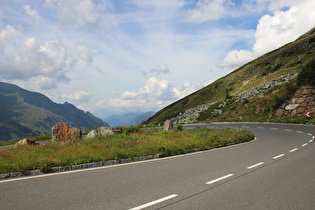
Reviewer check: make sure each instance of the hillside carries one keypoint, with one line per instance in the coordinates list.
(25, 113)
(224, 93)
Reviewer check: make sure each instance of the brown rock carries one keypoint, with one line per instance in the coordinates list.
(168, 125)
(25, 142)
(63, 133)
(280, 112)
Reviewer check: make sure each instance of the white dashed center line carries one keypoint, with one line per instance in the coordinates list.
(293, 150)
(304, 145)
(253, 166)
(299, 131)
(154, 202)
(219, 179)
(276, 157)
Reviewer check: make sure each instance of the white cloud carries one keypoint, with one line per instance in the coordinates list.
(161, 69)
(84, 14)
(25, 59)
(31, 12)
(79, 97)
(9, 36)
(237, 57)
(86, 54)
(211, 10)
(274, 31)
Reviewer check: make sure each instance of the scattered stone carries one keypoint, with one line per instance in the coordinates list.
(101, 131)
(26, 142)
(168, 125)
(65, 134)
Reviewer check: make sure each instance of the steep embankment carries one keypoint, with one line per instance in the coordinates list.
(224, 93)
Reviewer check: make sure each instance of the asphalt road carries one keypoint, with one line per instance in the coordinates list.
(275, 171)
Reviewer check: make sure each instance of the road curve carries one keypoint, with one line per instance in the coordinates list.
(276, 171)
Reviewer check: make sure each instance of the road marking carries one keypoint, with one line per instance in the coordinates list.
(311, 141)
(154, 202)
(274, 129)
(310, 134)
(261, 127)
(293, 150)
(287, 130)
(276, 157)
(219, 179)
(253, 166)
(299, 131)
(304, 145)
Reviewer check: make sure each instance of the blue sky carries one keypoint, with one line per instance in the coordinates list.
(113, 56)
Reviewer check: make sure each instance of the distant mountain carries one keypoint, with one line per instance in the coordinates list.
(25, 113)
(130, 118)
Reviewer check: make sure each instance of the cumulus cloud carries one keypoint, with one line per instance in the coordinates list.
(31, 12)
(274, 31)
(83, 15)
(161, 69)
(79, 97)
(86, 54)
(211, 10)
(44, 65)
(9, 36)
(155, 93)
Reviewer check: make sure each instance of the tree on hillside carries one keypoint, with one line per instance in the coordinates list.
(307, 75)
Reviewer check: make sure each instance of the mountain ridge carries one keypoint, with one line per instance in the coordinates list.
(26, 113)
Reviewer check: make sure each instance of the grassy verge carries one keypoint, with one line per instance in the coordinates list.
(117, 146)
(13, 141)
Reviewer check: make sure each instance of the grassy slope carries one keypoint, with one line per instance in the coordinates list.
(291, 57)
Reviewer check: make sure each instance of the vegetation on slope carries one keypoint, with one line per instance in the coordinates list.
(289, 58)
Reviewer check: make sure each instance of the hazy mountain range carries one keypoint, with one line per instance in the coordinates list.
(130, 118)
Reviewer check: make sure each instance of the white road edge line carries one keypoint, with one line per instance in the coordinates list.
(261, 127)
(219, 179)
(274, 129)
(303, 145)
(299, 131)
(293, 150)
(276, 157)
(154, 202)
(287, 130)
(253, 166)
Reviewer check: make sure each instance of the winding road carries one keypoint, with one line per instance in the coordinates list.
(275, 171)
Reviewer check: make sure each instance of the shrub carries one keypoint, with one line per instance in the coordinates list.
(307, 75)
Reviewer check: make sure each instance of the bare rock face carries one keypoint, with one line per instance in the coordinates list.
(25, 142)
(168, 125)
(101, 132)
(63, 133)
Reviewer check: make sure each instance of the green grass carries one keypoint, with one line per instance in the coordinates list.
(36, 139)
(117, 146)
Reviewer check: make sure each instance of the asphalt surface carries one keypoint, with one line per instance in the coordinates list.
(275, 171)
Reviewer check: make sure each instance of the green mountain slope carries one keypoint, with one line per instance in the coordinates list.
(25, 113)
(290, 58)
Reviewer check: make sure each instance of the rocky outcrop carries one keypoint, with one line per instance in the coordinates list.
(168, 125)
(25, 142)
(261, 90)
(303, 101)
(64, 134)
(190, 115)
(101, 132)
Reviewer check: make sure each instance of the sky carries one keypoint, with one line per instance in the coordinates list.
(114, 56)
